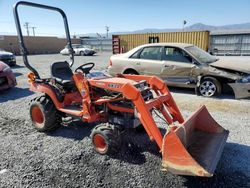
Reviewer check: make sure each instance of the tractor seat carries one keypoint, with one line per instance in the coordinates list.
(62, 73)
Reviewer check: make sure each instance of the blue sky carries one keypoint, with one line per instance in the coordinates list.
(91, 16)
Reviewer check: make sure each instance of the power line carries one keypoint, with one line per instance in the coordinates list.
(58, 25)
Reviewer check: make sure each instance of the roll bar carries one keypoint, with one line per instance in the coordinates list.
(23, 48)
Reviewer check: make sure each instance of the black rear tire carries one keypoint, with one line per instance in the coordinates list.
(106, 139)
(43, 114)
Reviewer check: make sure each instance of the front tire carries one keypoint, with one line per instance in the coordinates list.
(82, 53)
(209, 87)
(106, 139)
(43, 114)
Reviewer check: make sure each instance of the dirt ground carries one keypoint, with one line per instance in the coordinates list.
(65, 158)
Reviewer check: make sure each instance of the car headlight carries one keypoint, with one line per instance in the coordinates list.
(245, 79)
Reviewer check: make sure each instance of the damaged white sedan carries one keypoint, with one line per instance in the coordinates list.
(241, 83)
(185, 65)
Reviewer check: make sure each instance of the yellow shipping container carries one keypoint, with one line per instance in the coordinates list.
(130, 41)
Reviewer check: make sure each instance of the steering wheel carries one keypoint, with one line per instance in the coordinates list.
(85, 68)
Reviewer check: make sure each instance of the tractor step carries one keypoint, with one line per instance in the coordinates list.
(72, 110)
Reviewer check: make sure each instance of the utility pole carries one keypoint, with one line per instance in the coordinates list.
(26, 25)
(107, 29)
(33, 29)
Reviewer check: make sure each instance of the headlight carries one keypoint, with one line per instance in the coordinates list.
(245, 79)
(7, 69)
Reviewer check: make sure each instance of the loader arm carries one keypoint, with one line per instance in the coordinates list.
(163, 102)
(192, 147)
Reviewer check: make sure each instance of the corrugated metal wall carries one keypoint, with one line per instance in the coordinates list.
(231, 44)
(198, 38)
(100, 44)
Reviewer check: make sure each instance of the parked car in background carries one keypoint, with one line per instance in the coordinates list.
(7, 77)
(79, 50)
(184, 65)
(7, 57)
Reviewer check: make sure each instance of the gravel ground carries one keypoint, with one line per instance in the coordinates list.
(65, 158)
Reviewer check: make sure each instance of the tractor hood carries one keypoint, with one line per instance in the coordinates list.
(239, 66)
(116, 80)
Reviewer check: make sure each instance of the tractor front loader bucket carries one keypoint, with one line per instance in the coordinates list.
(195, 146)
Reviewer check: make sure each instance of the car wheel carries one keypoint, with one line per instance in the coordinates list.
(82, 53)
(131, 72)
(209, 87)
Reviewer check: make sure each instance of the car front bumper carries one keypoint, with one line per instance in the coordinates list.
(111, 71)
(7, 80)
(241, 90)
(9, 61)
(91, 52)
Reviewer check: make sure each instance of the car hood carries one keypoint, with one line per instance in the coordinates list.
(2, 66)
(240, 66)
(65, 49)
(5, 53)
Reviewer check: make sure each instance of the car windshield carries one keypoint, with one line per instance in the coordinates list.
(85, 46)
(201, 55)
(75, 46)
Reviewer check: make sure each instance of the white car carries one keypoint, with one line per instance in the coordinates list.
(79, 50)
(7, 57)
(185, 65)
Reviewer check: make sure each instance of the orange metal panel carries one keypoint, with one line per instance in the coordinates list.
(194, 148)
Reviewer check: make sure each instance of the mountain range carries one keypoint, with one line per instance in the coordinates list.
(194, 27)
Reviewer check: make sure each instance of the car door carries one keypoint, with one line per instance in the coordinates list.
(148, 60)
(178, 66)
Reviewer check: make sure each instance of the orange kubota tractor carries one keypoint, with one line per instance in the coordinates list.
(189, 147)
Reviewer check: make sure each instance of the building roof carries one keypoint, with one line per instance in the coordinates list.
(182, 45)
(230, 32)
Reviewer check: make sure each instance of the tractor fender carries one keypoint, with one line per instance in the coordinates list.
(48, 90)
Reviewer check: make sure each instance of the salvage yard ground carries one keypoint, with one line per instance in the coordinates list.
(65, 158)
